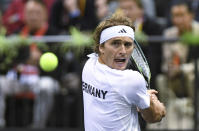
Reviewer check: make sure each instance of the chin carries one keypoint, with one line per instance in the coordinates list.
(120, 68)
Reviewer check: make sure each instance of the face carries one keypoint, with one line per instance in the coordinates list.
(70, 5)
(116, 52)
(131, 9)
(35, 15)
(101, 9)
(181, 17)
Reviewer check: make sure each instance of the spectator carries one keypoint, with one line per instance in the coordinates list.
(65, 13)
(175, 83)
(88, 13)
(149, 7)
(93, 11)
(35, 19)
(13, 17)
(101, 9)
(163, 8)
(113, 5)
(25, 75)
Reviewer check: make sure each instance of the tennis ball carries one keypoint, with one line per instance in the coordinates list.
(48, 61)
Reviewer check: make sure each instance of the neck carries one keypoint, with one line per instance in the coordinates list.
(100, 60)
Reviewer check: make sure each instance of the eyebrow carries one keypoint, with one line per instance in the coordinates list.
(119, 40)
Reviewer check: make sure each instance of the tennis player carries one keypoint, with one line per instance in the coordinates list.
(113, 95)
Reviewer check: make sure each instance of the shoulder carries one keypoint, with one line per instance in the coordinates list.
(92, 59)
(137, 80)
(171, 32)
(195, 25)
(131, 86)
(119, 74)
(133, 75)
(127, 79)
(90, 63)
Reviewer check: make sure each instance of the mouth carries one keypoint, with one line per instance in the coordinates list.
(120, 60)
(120, 63)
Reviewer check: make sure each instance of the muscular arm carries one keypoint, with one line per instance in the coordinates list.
(156, 111)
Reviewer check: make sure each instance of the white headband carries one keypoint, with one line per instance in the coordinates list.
(116, 31)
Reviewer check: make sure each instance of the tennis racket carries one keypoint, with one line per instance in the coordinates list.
(138, 62)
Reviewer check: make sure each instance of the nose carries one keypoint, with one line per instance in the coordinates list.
(122, 49)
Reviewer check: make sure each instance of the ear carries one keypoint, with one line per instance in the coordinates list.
(101, 49)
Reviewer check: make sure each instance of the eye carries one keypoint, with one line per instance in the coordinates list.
(128, 44)
(116, 43)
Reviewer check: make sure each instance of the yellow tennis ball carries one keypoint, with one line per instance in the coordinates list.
(48, 61)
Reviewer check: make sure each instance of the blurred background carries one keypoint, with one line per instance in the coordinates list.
(37, 98)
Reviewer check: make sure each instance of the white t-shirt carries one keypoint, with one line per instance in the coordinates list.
(111, 97)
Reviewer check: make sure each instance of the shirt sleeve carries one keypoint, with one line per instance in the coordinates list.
(134, 89)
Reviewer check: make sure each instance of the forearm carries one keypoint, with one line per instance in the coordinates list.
(155, 112)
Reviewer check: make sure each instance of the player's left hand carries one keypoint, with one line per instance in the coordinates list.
(152, 94)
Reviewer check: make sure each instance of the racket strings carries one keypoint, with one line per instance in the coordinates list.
(141, 63)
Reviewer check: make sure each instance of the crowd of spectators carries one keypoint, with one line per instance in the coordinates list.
(169, 62)
(177, 76)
